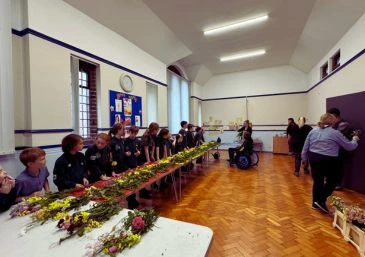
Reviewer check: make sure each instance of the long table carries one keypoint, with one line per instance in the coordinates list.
(159, 175)
(169, 238)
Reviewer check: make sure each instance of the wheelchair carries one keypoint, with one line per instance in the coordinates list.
(243, 161)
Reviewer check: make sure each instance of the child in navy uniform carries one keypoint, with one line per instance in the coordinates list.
(148, 143)
(132, 147)
(199, 140)
(98, 159)
(183, 132)
(117, 149)
(163, 147)
(178, 144)
(7, 190)
(117, 146)
(34, 178)
(132, 153)
(190, 136)
(70, 168)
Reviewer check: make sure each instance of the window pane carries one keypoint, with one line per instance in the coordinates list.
(174, 103)
(184, 99)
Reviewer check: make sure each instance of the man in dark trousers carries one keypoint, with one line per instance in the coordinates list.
(346, 129)
(293, 134)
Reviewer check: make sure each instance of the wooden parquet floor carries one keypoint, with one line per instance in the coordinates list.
(263, 211)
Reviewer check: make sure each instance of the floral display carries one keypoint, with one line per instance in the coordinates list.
(65, 207)
(125, 234)
(35, 203)
(82, 222)
(53, 210)
(337, 203)
(135, 178)
(353, 213)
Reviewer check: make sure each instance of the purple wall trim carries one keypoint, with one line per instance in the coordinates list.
(359, 54)
(41, 131)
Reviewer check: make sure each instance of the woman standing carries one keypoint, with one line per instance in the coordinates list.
(321, 150)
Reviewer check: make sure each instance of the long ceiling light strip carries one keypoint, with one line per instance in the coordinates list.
(242, 55)
(235, 25)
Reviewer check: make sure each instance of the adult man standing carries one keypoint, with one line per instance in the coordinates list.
(346, 129)
(293, 134)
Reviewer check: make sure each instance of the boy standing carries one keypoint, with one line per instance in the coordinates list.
(184, 126)
(35, 176)
(131, 147)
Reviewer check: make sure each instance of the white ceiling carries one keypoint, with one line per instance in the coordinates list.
(298, 32)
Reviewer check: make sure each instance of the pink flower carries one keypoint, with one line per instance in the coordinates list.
(113, 249)
(137, 223)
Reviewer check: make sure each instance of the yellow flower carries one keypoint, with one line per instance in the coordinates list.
(60, 204)
(34, 199)
(133, 239)
(39, 215)
(61, 215)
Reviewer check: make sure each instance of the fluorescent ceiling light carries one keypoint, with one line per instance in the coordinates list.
(236, 25)
(242, 55)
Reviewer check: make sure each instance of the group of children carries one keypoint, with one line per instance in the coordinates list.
(110, 155)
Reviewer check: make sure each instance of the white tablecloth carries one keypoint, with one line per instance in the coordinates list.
(169, 238)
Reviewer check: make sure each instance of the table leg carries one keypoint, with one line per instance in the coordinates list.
(174, 185)
(180, 182)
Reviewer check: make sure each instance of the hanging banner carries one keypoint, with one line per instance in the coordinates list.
(125, 107)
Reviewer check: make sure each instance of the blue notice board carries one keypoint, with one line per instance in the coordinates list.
(125, 107)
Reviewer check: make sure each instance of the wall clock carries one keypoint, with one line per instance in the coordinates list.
(126, 83)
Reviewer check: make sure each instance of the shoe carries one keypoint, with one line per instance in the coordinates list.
(296, 174)
(338, 188)
(322, 206)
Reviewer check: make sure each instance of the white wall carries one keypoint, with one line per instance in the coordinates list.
(281, 79)
(59, 20)
(42, 73)
(262, 110)
(6, 81)
(350, 44)
(348, 80)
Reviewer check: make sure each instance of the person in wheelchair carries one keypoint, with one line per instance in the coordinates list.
(246, 148)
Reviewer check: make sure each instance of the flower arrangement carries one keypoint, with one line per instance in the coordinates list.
(82, 222)
(337, 203)
(125, 234)
(135, 178)
(35, 203)
(356, 216)
(353, 213)
(53, 210)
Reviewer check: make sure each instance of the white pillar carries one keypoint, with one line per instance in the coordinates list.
(7, 144)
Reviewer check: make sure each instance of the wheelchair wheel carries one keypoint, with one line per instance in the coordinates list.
(243, 161)
(254, 158)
